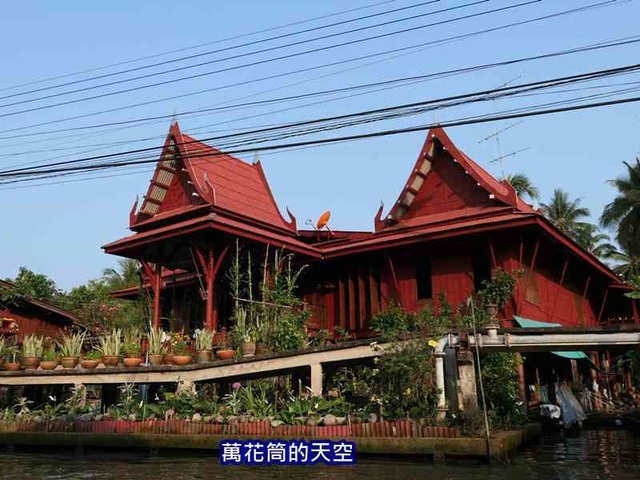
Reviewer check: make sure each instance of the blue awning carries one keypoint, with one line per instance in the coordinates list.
(528, 323)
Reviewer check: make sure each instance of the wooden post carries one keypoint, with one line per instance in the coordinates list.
(154, 274)
(604, 301)
(494, 260)
(634, 308)
(395, 280)
(342, 304)
(316, 380)
(373, 293)
(555, 300)
(210, 266)
(362, 300)
(352, 300)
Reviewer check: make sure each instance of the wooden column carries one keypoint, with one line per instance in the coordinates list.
(362, 300)
(555, 300)
(352, 299)
(154, 274)
(604, 301)
(373, 293)
(634, 308)
(210, 266)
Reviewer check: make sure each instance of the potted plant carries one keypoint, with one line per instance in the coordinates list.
(167, 342)
(248, 343)
(49, 358)
(32, 347)
(132, 348)
(110, 346)
(91, 359)
(496, 293)
(12, 362)
(224, 351)
(70, 349)
(156, 347)
(204, 345)
(180, 347)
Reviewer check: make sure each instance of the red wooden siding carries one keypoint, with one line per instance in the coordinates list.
(29, 324)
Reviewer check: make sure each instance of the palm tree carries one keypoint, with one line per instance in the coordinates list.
(522, 185)
(565, 214)
(126, 275)
(624, 211)
(626, 261)
(593, 240)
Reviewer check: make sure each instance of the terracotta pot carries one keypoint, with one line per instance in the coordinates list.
(204, 356)
(260, 349)
(69, 362)
(225, 354)
(132, 361)
(89, 364)
(182, 359)
(156, 359)
(248, 349)
(30, 363)
(12, 366)
(168, 359)
(48, 364)
(110, 360)
(492, 310)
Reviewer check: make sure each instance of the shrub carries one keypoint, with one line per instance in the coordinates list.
(391, 322)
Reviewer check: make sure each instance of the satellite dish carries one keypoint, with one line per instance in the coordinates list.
(323, 221)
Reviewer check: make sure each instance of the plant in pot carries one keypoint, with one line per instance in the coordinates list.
(496, 293)
(155, 339)
(91, 359)
(167, 343)
(224, 351)
(71, 348)
(12, 358)
(49, 358)
(204, 345)
(32, 347)
(110, 346)
(249, 343)
(132, 348)
(181, 351)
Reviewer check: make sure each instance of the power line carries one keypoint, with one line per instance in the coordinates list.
(270, 77)
(225, 49)
(254, 63)
(375, 115)
(193, 47)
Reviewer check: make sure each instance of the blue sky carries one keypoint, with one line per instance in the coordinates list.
(59, 229)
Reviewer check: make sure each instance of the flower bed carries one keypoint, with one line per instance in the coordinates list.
(400, 428)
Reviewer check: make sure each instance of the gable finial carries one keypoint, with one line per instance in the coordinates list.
(174, 118)
(256, 158)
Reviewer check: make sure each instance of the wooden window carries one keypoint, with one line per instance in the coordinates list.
(423, 279)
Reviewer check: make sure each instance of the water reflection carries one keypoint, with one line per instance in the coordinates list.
(593, 455)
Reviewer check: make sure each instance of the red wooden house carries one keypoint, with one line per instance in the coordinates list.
(451, 225)
(33, 317)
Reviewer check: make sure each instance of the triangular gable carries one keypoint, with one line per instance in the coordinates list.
(170, 187)
(191, 173)
(445, 180)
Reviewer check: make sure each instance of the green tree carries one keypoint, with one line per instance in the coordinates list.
(593, 240)
(626, 261)
(127, 274)
(567, 215)
(523, 185)
(623, 212)
(36, 285)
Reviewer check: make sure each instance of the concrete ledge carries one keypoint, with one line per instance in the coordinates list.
(503, 444)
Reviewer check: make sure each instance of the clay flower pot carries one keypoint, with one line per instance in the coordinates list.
(132, 361)
(182, 359)
(168, 359)
(30, 363)
(248, 349)
(204, 356)
(225, 354)
(110, 360)
(89, 364)
(48, 364)
(156, 359)
(492, 310)
(12, 366)
(261, 349)
(69, 362)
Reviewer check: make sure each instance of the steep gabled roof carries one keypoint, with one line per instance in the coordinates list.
(190, 174)
(446, 183)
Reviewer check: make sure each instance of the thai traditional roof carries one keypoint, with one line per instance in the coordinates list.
(53, 313)
(191, 174)
(445, 184)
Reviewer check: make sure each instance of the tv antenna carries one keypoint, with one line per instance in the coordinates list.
(512, 154)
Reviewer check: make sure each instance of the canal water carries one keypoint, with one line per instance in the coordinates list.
(591, 454)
